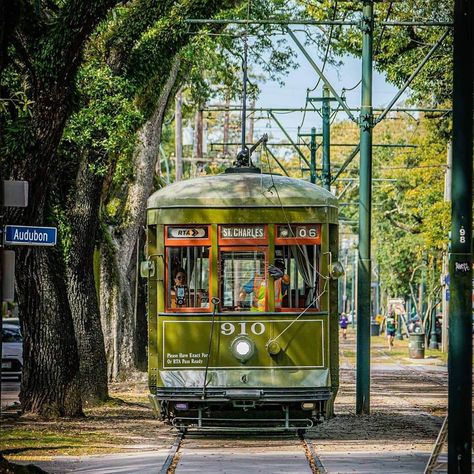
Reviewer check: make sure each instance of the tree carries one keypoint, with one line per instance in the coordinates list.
(45, 55)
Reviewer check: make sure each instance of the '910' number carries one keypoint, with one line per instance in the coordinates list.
(227, 329)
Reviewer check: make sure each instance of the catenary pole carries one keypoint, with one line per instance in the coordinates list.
(326, 115)
(312, 150)
(365, 207)
(460, 261)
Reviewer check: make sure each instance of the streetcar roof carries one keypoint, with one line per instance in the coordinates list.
(242, 190)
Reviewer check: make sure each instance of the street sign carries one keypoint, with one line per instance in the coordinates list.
(29, 235)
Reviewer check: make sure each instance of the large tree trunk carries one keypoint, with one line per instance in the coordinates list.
(83, 218)
(50, 384)
(118, 250)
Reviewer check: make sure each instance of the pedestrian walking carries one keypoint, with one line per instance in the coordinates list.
(343, 322)
(391, 323)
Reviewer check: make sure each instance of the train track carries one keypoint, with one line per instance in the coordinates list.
(187, 444)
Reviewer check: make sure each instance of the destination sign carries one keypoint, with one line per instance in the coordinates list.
(243, 232)
(299, 232)
(28, 235)
(187, 232)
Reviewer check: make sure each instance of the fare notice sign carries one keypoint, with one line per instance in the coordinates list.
(29, 235)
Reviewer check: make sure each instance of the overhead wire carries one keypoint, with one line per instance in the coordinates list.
(326, 55)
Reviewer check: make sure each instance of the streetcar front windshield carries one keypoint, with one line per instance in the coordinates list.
(243, 280)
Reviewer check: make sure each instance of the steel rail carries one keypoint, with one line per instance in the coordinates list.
(172, 452)
(311, 455)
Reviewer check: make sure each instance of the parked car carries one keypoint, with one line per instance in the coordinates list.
(12, 349)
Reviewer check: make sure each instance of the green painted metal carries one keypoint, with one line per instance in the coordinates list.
(185, 341)
(346, 163)
(433, 335)
(272, 21)
(276, 160)
(236, 216)
(365, 207)
(460, 259)
(279, 21)
(326, 114)
(289, 138)
(312, 148)
(178, 343)
(413, 75)
(381, 145)
(242, 190)
(238, 108)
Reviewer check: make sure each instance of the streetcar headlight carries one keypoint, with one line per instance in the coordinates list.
(242, 348)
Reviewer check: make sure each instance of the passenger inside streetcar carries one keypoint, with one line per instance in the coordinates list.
(179, 291)
(257, 287)
(282, 281)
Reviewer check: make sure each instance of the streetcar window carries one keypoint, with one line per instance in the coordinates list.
(243, 280)
(187, 277)
(301, 264)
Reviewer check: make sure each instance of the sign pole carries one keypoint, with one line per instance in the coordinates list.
(460, 261)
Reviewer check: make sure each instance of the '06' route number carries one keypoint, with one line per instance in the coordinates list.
(227, 329)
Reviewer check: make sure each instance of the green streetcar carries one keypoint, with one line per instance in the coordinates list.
(242, 301)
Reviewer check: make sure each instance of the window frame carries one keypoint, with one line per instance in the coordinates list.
(318, 285)
(185, 242)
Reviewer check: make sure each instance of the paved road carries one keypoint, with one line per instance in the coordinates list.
(129, 463)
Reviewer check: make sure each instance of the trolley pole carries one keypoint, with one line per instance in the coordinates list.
(460, 261)
(312, 148)
(365, 208)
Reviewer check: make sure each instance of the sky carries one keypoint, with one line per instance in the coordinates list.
(293, 94)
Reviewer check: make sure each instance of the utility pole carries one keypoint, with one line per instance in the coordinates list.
(365, 208)
(312, 148)
(460, 260)
(344, 285)
(199, 126)
(326, 114)
(354, 285)
(226, 126)
(178, 139)
(445, 272)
